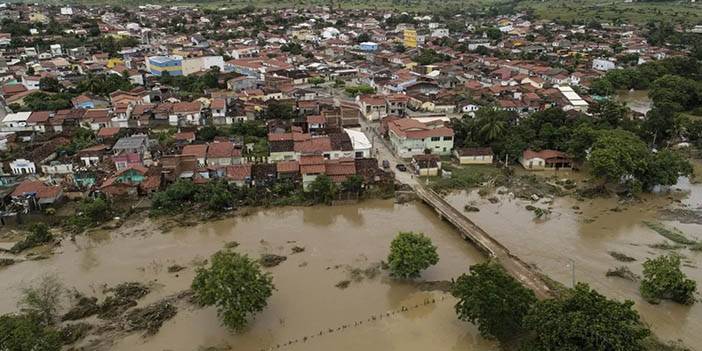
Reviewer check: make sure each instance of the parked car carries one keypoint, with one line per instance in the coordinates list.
(400, 167)
(386, 164)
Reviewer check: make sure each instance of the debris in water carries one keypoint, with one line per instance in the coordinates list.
(621, 257)
(231, 245)
(343, 284)
(469, 208)
(150, 318)
(130, 290)
(493, 200)
(175, 268)
(4, 262)
(71, 333)
(85, 307)
(622, 272)
(298, 249)
(271, 260)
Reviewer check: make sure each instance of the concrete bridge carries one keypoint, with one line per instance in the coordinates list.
(517, 268)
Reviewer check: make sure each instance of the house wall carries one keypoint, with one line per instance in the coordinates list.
(406, 148)
(474, 160)
(534, 164)
(57, 169)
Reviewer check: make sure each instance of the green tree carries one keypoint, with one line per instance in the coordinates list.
(491, 123)
(664, 168)
(410, 254)
(316, 81)
(493, 300)
(663, 279)
(322, 190)
(601, 87)
(353, 184)
(617, 154)
(236, 285)
(585, 320)
(27, 333)
(38, 234)
(50, 84)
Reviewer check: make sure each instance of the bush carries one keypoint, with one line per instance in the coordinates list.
(663, 279)
(411, 253)
(38, 234)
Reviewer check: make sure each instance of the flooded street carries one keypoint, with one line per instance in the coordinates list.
(636, 100)
(336, 240)
(584, 232)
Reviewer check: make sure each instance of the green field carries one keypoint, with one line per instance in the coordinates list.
(567, 10)
(611, 11)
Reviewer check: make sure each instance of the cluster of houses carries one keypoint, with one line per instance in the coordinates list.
(423, 70)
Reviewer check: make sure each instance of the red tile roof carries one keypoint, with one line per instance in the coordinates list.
(239, 172)
(41, 190)
(198, 151)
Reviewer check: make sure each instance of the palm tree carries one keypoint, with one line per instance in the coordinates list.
(491, 123)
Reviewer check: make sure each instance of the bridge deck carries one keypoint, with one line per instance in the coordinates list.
(517, 268)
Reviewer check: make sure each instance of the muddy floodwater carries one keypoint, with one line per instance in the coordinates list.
(583, 232)
(306, 302)
(636, 100)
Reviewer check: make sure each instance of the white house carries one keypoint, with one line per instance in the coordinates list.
(361, 145)
(601, 64)
(16, 122)
(22, 166)
(410, 137)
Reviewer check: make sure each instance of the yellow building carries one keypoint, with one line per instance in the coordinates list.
(410, 38)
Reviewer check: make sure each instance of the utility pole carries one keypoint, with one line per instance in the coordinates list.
(572, 272)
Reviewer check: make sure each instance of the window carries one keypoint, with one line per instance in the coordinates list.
(448, 138)
(435, 138)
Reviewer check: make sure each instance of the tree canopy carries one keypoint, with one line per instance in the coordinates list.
(236, 285)
(410, 254)
(493, 300)
(663, 279)
(585, 320)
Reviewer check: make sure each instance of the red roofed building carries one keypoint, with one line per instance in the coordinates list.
(410, 137)
(198, 151)
(545, 160)
(42, 193)
(223, 154)
(238, 174)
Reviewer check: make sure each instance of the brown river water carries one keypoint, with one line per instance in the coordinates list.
(306, 301)
(358, 236)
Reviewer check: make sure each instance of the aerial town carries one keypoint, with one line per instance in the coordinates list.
(141, 145)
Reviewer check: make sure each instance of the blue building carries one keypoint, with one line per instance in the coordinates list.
(157, 65)
(369, 46)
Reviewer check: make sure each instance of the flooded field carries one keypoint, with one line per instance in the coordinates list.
(583, 232)
(636, 100)
(336, 240)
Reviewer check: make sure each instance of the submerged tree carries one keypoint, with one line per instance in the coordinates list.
(585, 320)
(493, 300)
(410, 254)
(236, 285)
(663, 279)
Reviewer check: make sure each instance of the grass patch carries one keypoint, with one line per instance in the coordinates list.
(466, 177)
(673, 234)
